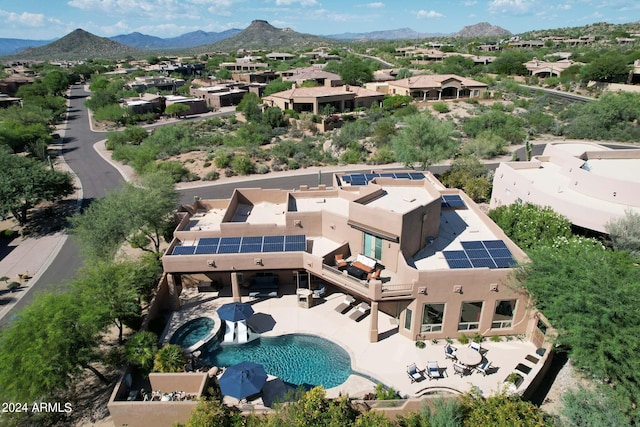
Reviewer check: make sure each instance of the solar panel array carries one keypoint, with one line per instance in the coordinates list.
(452, 201)
(364, 178)
(249, 244)
(480, 253)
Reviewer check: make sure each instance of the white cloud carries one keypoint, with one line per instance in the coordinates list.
(511, 6)
(564, 7)
(305, 3)
(24, 18)
(429, 14)
(375, 5)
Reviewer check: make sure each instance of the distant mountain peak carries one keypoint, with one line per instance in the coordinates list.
(482, 29)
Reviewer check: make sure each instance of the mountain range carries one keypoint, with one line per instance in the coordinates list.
(258, 34)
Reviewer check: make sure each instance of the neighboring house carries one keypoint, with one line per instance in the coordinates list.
(588, 183)
(167, 84)
(314, 99)
(245, 64)
(280, 56)
(544, 69)
(437, 87)
(220, 95)
(7, 101)
(320, 77)
(526, 44)
(423, 254)
(196, 105)
(634, 74)
(146, 103)
(10, 85)
(255, 77)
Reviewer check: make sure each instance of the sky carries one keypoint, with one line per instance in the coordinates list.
(50, 19)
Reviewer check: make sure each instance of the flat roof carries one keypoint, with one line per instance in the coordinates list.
(260, 213)
(624, 169)
(401, 199)
(336, 205)
(576, 149)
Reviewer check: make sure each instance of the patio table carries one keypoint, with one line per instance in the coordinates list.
(468, 356)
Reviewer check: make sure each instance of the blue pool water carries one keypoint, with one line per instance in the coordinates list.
(192, 332)
(296, 358)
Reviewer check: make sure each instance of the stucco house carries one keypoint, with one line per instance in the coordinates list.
(314, 99)
(437, 87)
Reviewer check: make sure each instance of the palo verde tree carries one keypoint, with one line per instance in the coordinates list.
(25, 182)
(138, 215)
(423, 140)
(625, 233)
(51, 343)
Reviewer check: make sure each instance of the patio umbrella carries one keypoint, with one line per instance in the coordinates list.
(235, 311)
(242, 380)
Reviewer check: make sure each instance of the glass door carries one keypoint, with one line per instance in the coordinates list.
(372, 246)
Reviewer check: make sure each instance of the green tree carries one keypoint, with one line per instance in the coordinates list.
(625, 233)
(208, 413)
(176, 110)
(274, 118)
(403, 73)
(51, 342)
(610, 67)
(508, 127)
(485, 145)
(114, 113)
(511, 62)
(170, 358)
(277, 85)
(224, 74)
(26, 182)
(141, 349)
(530, 225)
(502, 411)
(56, 82)
(24, 133)
(353, 70)
(470, 175)
(250, 107)
(594, 408)
(423, 140)
(124, 214)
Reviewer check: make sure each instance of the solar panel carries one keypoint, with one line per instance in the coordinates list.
(346, 178)
(205, 241)
(273, 239)
(228, 249)
(251, 247)
(453, 200)
(494, 244)
(206, 249)
(252, 240)
(183, 250)
(358, 181)
(272, 247)
(295, 238)
(294, 246)
(459, 263)
(477, 253)
(454, 255)
(370, 176)
(402, 175)
(230, 241)
(416, 175)
(500, 253)
(476, 244)
(504, 262)
(387, 175)
(482, 262)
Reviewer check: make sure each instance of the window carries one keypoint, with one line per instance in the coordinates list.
(372, 246)
(432, 315)
(470, 316)
(407, 319)
(503, 314)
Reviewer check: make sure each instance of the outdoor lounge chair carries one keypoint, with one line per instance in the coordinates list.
(460, 369)
(375, 275)
(361, 310)
(340, 261)
(476, 346)
(243, 332)
(230, 332)
(433, 370)
(345, 304)
(483, 367)
(450, 352)
(414, 373)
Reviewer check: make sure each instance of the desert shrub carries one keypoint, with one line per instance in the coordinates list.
(242, 165)
(211, 176)
(441, 107)
(485, 145)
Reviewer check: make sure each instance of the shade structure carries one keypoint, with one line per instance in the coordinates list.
(242, 380)
(235, 311)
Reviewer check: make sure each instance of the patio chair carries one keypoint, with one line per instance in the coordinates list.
(361, 310)
(340, 261)
(375, 275)
(230, 331)
(433, 370)
(450, 352)
(345, 305)
(483, 367)
(477, 347)
(243, 332)
(414, 373)
(460, 369)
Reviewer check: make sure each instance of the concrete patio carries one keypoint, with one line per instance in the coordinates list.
(384, 361)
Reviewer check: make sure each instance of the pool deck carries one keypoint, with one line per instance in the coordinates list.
(385, 361)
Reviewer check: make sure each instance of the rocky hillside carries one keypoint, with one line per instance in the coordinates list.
(483, 29)
(261, 34)
(77, 45)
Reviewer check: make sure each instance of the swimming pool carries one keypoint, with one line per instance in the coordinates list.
(193, 331)
(296, 358)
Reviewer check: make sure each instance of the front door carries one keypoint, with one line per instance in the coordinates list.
(372, 246)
